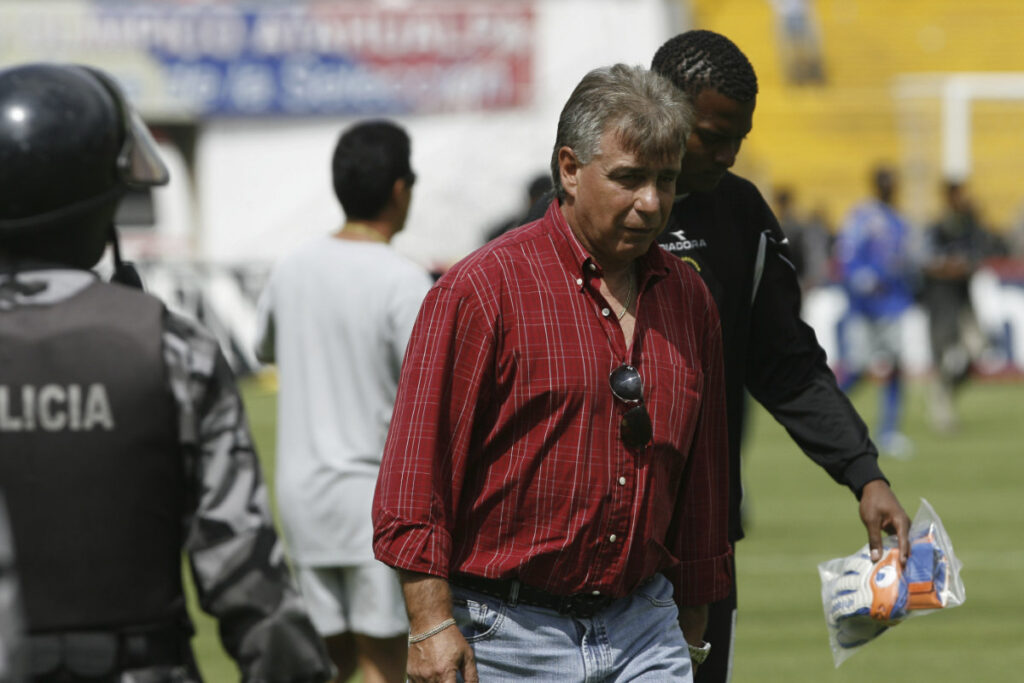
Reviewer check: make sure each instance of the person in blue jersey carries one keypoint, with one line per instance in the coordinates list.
(873, 251)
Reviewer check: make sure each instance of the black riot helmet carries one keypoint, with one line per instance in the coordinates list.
(70, 146)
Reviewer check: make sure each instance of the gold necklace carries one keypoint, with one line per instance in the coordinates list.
(629, 298)
(362, 230)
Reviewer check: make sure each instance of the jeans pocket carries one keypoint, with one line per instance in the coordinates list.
(478, 619)
(658, 592)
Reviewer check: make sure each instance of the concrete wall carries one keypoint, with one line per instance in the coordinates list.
(264, 185)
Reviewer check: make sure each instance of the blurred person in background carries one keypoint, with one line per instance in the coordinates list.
(123, 435)
(873, 252)
(538, 187)
(12, 628)
(554, 482)
(810, 243)
(722, 226)
(1012, 243)
(336, 316)
(954, 246)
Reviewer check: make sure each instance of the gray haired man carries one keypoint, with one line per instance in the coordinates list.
(553, 488)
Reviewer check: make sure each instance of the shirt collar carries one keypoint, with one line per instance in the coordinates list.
(42, 285)
(652, 265)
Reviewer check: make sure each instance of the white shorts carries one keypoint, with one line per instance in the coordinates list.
(364, 599)
(872, 342)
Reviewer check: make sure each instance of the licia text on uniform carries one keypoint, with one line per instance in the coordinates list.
(55, 408)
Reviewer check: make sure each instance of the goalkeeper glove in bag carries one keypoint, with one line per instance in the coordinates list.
(869, 597)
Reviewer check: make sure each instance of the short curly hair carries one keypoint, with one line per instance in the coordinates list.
(699, 59)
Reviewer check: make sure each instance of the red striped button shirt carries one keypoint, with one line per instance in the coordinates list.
(504, 459)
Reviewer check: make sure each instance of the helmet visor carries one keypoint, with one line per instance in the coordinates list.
(139, 162)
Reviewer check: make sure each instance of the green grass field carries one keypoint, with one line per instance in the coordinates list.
(797, 517)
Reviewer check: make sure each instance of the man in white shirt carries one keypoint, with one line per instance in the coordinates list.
(336, 317)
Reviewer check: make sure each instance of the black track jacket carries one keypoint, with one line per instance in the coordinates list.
(732, 238)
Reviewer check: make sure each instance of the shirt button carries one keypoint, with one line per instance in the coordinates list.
(605, 312)
(612, 538)
(622, 481)
(579, 281)
(593, 266)
(595, 592)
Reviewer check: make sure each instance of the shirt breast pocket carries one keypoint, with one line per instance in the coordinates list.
(674, 402)
(673, 389)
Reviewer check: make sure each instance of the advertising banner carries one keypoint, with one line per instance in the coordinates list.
(295, 59)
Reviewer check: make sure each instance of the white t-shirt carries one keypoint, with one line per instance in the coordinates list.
(336, 316)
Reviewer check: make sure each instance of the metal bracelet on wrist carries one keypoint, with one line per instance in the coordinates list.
(432, 632)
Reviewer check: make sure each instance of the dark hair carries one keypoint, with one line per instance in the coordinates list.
(539, 186)
(883, 176)
(368, 159)
(952, 186)
(650, 116)
(696, 60)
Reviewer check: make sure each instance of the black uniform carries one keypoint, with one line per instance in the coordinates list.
(732, 238)
(123, 439)
(947, 297)
(125, 443)
(10, 607)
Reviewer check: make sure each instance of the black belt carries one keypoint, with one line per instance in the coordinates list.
(103, 653)
(512, 591)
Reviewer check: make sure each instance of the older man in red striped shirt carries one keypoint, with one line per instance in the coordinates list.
(554, 484)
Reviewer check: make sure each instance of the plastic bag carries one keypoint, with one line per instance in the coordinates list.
(863, 599)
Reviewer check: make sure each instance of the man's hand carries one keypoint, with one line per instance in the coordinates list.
(693, 619)
(439, 657)
(881, 511)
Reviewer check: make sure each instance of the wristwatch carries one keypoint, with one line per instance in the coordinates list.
(699, 654)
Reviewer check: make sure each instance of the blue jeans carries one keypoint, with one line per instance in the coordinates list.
(636, 638)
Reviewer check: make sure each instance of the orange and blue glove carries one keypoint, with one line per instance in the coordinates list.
(868, 598)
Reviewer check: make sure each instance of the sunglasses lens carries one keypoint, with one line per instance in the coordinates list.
(626, 384)
(635, 428)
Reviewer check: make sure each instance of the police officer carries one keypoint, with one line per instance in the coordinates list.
(11, 654)
(122, 434)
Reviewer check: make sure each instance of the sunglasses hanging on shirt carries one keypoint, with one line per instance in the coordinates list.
(635, 428)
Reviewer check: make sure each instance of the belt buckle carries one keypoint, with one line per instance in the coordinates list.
(584, 606)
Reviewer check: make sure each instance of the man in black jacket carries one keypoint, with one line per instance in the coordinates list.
(723, 227)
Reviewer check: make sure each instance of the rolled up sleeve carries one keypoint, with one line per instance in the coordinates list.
(446, 375)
